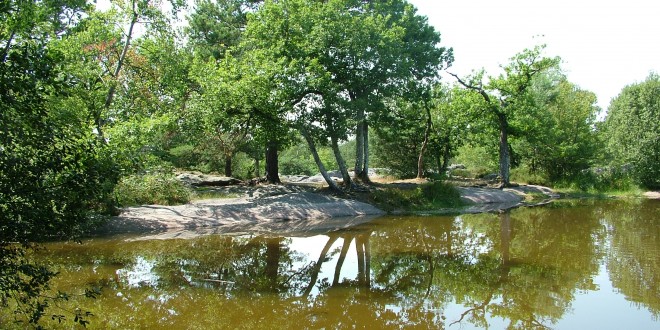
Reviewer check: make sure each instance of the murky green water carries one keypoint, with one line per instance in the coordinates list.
(579, 265)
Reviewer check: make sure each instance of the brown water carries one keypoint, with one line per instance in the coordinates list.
(569, 265)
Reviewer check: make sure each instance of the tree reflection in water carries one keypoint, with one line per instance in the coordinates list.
(523, 267)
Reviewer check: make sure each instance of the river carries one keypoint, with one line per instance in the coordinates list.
(581, 264)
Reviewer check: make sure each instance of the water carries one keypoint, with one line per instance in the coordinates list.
(569, 265)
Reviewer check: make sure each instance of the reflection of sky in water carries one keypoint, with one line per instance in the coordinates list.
(601, 309)
(312, 247)
(603, 306)
(139, 274)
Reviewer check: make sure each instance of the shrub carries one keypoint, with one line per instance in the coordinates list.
(632, 130)
(297, 167)
(183, 156)
(428, 196)
(478, 161)
(523, 174)
(151, 188)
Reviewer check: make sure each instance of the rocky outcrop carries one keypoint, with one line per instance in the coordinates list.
(206, 180)
(244, 212)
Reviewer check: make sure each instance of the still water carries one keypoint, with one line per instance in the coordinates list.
(568, 265)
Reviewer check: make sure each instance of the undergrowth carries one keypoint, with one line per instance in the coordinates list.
(428, 196)
(151, 188)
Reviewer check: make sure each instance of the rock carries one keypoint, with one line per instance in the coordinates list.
(456, 167)
(492, 176)
(207, 180)
(275, 204)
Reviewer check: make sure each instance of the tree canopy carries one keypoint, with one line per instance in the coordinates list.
(632, 130)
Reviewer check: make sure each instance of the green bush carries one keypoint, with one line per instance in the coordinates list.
(430, 196)
(632, 130)
(183, 156)
(602, 180)
(151, 188)
(297, 167)
(523, 174)
(478, 160)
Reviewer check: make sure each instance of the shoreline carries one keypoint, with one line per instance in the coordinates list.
(291, 208)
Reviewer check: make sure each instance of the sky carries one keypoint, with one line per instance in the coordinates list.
(604, 45)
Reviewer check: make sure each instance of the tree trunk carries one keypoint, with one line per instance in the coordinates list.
(257, 170)
(228, 160)
(272, 166)
(427, 133)
(317, 266)
(273, 255)
(334, 141)
(505, 159)
(445, 157)
(113, 85)
(506, 233)
(359, 146)
(359, 248)
(312, 148)
(362, 151)
(340, 260)
(341, 163)
(367, 259)
(364, 176)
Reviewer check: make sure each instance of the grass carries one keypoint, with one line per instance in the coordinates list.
(150, 189)
(572, 192)
(423, 197)
(210, 193)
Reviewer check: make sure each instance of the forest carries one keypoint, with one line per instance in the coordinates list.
(92, 100)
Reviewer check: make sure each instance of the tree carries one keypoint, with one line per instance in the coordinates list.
(129, 14)
(351, 54)
(632, 130)
(422, 132)
(217, 25)
(507, 97)
(54, 177)
(565, 142)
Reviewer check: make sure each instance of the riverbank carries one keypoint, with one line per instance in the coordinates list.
(299, 207)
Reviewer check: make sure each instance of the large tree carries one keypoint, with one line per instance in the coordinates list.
(507, 98)
(561, 139)
(632, 130)
(349, 55)
(214, 26)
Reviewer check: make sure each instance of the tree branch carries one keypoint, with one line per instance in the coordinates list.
(472, 87)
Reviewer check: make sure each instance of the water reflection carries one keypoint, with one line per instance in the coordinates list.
(523, 269)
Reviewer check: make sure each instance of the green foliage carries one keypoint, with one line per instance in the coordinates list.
(632, 130)
(151, 188)
(428, 196)
(508, 103)
(55, 175)
(400, 131)
(329, 49)
(605, 180)
(523, 174)
(297, 160)
(561, 140)
(478, 160)
(216, 26)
